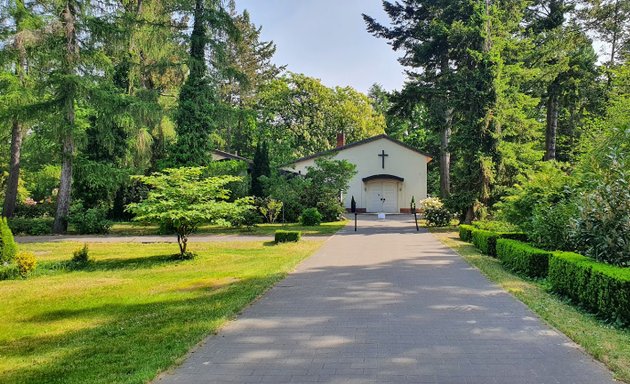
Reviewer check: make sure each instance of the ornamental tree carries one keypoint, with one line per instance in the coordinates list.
(184, 198)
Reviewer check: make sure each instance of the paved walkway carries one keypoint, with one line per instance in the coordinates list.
(387, 305)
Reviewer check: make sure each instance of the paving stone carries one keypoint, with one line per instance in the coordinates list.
(388, 304)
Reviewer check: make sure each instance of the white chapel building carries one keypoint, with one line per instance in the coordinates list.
(389, 173)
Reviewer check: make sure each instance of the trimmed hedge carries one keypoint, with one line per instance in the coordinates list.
(287, 236)
(465, 232)
(31, 226)
(600, 288)
(486, 241)
(523, 258)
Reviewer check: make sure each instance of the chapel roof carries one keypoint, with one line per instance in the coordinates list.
(358, 143)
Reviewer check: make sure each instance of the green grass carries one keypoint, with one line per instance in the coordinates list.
(133, 312)
(325, 229)
(606, 343)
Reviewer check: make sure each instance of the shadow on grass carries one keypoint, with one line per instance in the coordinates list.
(130, 343)
(144, 262)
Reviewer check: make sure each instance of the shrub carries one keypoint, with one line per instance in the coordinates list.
(25, 262)
(465, 232)
(32, 209)
(248, 218)
(435, 213)
(486, 241)
(311, 217)
(8, 247)
(9, 272)
(600, 288)
(81, 255)
(28, 226)
(90, 220)
(523, 258)
(269, 208)
(290, 191)
(550, 227)
(495, 226)
(602, 228)
(287, 236)
(438, 217)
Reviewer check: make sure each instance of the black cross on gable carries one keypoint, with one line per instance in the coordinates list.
(383, 155)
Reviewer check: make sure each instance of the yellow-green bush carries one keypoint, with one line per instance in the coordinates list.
(26, 263)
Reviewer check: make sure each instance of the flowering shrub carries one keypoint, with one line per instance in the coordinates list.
(435, 213)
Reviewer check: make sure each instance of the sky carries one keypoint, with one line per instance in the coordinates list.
(328, 40)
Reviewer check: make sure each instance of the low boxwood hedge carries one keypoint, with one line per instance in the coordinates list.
(486, 241)
(465, 232)
(600, 288)
(287, 236)
(523, 258)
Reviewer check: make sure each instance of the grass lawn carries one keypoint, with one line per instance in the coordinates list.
(325, 229)
(133, 312)
(606, 343)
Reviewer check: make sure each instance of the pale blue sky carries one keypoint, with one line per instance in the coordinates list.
(327, 39)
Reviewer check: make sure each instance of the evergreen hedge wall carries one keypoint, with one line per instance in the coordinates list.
(523, 258)
(600, 288)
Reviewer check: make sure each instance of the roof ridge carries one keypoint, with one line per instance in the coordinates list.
(357, 143)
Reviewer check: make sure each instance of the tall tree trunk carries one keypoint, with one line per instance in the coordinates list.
(65, 188)
(10, 197)
(445, 135)
(445, 154)
(613, 44)
(17, 129)
(552, 125)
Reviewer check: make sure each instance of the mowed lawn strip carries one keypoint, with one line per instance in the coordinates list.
(133, 312)
(325, 229)
(608, 344)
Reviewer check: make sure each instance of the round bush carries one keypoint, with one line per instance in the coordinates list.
(26, 263)
(437, 217)
(311, 217)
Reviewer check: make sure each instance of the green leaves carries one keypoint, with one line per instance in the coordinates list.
(183, 198)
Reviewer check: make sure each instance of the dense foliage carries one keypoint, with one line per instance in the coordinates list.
(523, 119)
(184, 198)
(8, 246)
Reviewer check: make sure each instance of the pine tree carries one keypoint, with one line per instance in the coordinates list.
(23, 33)
(422, 29)
(196, 115)
(260, 167)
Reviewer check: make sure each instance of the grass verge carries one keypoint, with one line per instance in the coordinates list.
(325, 229)
(604, 342)
(133, 311)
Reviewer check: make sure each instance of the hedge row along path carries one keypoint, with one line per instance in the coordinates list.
(387, 304)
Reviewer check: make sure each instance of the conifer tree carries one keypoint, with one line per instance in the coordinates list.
(261, 167)
(196, 115)
(21, 35)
